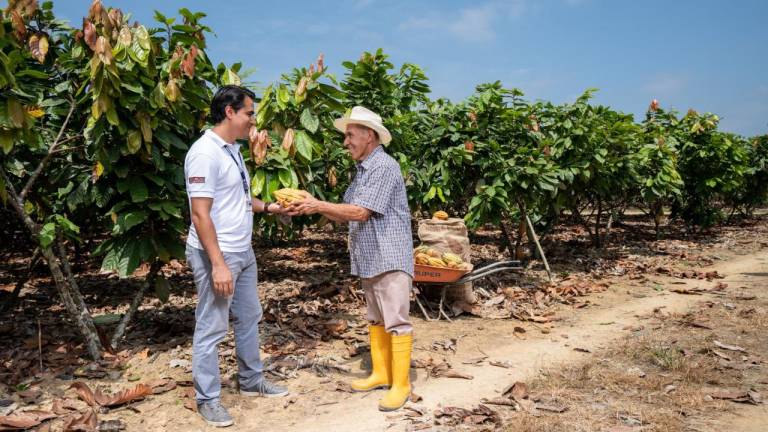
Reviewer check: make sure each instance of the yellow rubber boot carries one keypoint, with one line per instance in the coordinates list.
(381, 360)
(400, 390)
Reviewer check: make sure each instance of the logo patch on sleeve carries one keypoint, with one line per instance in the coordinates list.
(196, 180)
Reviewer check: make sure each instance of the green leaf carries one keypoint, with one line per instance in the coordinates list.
(172, 209)
(67, 224)
(283, 96)
(6, 140)
(112, 117)
(309, 120)
(47, 234)
(16, 113)
(257, 182)
(133, 141)
(140, 46)
(430, 194)
(285, 177)
(170, 139)
(145, 126)
(130, 220)
(230, 77)
(304, 145)
(136, 187)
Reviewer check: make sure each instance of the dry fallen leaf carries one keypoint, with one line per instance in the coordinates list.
(162, 385)
(85, 393)
(25, 420)
(729, 347)
(63, 406)
(518, 391)
(555, 408)
(502, 364)
(101, 399)
(86, 422)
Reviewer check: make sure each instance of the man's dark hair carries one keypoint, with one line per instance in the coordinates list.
(228, 95)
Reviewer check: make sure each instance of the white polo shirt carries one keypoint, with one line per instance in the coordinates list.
(212, 169)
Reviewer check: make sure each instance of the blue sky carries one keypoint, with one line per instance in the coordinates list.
(705, 54)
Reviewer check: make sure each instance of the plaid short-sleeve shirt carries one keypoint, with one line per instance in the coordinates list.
(384, 242)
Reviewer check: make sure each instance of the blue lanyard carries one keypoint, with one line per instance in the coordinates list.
(242, 173)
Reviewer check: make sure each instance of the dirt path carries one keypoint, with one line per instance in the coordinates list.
(315, 405)
(610, 318)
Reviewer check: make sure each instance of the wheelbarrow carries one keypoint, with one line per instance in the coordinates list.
(429, 275)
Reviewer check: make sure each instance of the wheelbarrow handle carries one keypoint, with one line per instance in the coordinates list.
(489, 270)
(496, 264)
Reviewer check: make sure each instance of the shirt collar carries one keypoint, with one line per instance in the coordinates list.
(219, 140)
(371, 159)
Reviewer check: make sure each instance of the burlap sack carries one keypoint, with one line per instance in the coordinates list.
(451, 236)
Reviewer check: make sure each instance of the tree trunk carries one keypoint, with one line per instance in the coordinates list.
(608, 229)
(596, 237)
(520, 235)
(69, 294)
(137, 299)
(75, 305)
(538, 246)
(507, 240)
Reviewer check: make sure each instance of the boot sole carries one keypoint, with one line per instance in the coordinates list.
(381, 387)
(388, 409)
(219, 424)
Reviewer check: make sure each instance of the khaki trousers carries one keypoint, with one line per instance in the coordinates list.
(388, 296)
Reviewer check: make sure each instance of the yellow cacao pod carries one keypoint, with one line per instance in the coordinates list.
(287, 196)
(440, 215)
(436, 262)
(434, 253)
(449, 258)
(421, 249)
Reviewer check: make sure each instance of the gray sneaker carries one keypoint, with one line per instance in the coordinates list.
(214, 414)
(264, 388)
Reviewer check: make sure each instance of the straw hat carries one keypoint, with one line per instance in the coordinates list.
(365, 117)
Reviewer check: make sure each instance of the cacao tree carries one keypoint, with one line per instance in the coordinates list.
(118, 105)
(712, 165)
(659, 182)
(300, 147)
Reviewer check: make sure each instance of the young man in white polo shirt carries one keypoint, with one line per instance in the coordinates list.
(220, 255)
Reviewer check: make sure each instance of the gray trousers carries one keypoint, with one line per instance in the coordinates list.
(388, 298)
(212, 322)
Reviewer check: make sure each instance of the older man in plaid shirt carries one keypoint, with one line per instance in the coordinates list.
(380, 248)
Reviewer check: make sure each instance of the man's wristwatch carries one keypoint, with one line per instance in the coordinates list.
(266, 207)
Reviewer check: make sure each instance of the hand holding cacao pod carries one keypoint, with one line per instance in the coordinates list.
(287, 196)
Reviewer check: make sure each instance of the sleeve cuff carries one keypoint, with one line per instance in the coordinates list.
(200, 194)
(367, 205)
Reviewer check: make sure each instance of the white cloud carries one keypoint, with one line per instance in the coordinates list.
(665, 85)
(474, 24)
